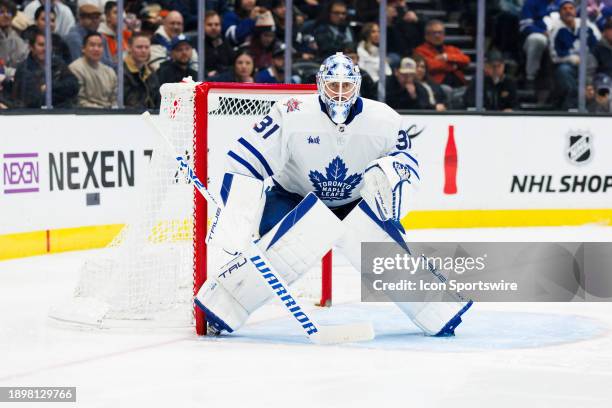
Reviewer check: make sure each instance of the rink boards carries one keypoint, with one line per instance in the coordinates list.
(68, 181)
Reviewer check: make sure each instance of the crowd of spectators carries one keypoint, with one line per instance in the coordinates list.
(531, 45)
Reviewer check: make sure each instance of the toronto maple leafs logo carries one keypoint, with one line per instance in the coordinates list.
(334, 184)
(292, 105)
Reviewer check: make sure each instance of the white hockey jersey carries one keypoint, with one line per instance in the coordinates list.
(303, 150)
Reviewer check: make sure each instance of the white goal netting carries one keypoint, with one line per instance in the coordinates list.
(146, 274)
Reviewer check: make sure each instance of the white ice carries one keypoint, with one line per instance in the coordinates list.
(504, 355)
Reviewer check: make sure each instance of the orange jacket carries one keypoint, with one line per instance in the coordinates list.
(437, 69)
(111, 40)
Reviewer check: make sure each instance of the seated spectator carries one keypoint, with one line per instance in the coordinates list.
(243, 70)
(535, 15)
(369, 60)
(603, 50)
(404, 31)
(60, 48)
(275, 73)
(602, 101)
(89, 21)
(404, 91)
(278, 9)
(369, 88)
(304, 40)
(150, 19)
(503, 17)
(263, 41)
(589, 93)
(218, 54)
(600, 11)
(64, 17)
(565, 53)
(5, 89)
(499, 90)
(30, 88)
(238, 25)
(502, 20)
(333, 33)
(141, 85)
(20, 22)
(437, 97)
(366, 10)
(445, 63)
(97, 82)
(108, 29)
(160, 43)
(395, 44)
(13, 49)
(178, 67)
(5, 102)
(310, 8)
(189, 9)
(220, 6)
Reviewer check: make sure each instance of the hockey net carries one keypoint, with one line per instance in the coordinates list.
(149, 273)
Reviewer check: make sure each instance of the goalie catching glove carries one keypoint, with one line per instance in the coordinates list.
(386, 183)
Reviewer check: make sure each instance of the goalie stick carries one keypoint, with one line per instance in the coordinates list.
(316, 332)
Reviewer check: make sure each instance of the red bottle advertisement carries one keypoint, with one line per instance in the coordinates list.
(450, 163)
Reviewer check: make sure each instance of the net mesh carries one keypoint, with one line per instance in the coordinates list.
(241, 106)
(146, 274)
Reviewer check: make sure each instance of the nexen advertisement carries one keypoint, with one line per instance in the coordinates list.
(70, 171)
(62, 171)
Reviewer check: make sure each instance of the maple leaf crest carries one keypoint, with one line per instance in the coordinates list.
(334, 184)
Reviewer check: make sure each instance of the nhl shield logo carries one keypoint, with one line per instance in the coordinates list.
(579, 150)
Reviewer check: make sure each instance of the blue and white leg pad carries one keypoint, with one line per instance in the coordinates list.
(362, 225)
(293, 246)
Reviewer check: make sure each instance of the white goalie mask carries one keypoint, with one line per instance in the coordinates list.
(338, 83)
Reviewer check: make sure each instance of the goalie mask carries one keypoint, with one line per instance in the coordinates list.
(338, 83)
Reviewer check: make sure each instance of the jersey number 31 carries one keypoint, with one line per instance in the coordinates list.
(264, 124)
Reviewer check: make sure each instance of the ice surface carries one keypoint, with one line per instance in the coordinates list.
(504, 355)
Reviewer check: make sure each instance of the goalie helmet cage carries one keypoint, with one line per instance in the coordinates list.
(203, 110)
(151, 270)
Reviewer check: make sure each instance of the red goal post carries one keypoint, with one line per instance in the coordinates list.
(147, 276)
(211, 101)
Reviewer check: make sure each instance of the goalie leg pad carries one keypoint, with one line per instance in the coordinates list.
(293, 246)
(362, 225)
(234, 225)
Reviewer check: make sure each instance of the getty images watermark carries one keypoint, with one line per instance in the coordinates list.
(487, 272)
